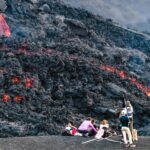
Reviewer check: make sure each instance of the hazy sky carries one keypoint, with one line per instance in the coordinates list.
(126, 12)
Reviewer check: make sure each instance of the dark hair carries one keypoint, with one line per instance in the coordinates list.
(89, 119)
(92, 121)
(70, 122)
(123, 105)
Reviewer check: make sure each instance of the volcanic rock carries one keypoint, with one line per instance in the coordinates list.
(115, 90)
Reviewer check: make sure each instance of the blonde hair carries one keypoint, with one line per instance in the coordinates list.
(103, 122)
(128, 104)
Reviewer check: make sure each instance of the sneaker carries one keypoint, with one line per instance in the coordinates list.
(86, 135)
(132, 145)
(126, 145)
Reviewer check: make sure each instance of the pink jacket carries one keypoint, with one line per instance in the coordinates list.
(86, 125)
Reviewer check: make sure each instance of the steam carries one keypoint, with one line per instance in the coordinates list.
(125, 12)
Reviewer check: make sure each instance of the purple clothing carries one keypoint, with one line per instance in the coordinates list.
(86, 125)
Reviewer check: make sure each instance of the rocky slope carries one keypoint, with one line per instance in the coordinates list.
(63, 64)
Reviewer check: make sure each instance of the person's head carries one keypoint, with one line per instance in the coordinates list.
(90, 119)
(128, 104)
(70, 124)
(104, 122)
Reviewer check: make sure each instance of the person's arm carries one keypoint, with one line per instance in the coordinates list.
(73, 127)
(131, 109)
(91, 125)
(127, 119)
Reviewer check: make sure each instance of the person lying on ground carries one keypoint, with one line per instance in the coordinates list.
(69, 130)
(87, 128)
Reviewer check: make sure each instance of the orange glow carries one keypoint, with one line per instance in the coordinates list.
(28, 83)
(22, 50)
(123, 75)
(15, 80)
(18, 98)
(108, 68)
(148, 94)
(6, 98)
(4, 28)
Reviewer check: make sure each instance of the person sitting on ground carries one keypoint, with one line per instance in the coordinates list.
(87, 128)
(69, 130)
(124, 120)
(103, 130)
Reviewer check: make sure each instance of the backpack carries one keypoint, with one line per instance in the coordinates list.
(106, 133)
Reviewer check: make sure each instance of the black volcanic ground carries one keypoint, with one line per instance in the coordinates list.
(58, 50)
(65, 143)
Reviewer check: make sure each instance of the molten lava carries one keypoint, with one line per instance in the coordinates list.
(124, 75)
(15, 80)
(4, 28)
(18, 98)
(148, 93)
(6, 98)
(28, 83)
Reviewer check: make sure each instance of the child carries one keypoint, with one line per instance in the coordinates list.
(103, 130)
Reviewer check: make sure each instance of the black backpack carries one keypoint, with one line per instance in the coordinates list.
(106, 133)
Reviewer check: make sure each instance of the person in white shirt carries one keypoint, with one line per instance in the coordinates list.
(102, 132)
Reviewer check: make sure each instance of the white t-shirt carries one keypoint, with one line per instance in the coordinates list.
(106, 126)
(128, 111)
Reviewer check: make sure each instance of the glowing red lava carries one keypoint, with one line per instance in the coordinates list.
(15, 80)
(28, 83)
(124, 75)
(18, 98)
(4, 28)
(148, 93)
(6, 98)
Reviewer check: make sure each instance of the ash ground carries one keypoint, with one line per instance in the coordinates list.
(66, 143)
(52, 44)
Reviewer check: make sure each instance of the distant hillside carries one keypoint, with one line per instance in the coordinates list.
(131, 13)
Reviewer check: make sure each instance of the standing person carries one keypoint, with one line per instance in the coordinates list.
(124, 120)
(129, 109)
(87, 128)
